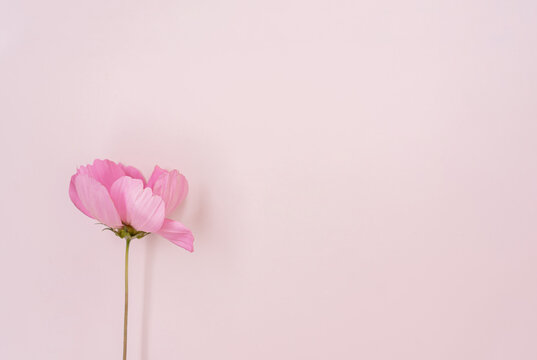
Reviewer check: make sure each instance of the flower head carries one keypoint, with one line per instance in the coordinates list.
(119, 197)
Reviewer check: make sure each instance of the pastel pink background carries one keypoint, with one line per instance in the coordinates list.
(363, 178)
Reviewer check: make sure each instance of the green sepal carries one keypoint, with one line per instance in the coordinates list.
(127, 232)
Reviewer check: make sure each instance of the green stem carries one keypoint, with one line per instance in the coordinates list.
(128, 240)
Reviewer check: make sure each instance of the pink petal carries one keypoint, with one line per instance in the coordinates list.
(178, 234)
(157, 172)
(118, 193)
(170, 185)
(94, 197)
(104, 171)
(182, 189)
(133, 172)
(74, 196)
(137, 206)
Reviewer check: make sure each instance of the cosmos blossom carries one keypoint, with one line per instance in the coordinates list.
(120, 197)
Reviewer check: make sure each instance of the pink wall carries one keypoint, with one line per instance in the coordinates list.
(363, 178)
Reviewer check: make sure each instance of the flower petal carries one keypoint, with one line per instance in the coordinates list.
(133, 172)
(74, 196)
(104, 171)
(170, 185)
(157, 172)
(137, 206)
(95, 199)
(178, 234)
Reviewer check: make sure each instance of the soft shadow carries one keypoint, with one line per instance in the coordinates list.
(198, 216)
(196, 209)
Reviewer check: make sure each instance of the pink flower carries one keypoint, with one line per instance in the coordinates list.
(119, 197)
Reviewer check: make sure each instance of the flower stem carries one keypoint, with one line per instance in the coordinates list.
(128, 241)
